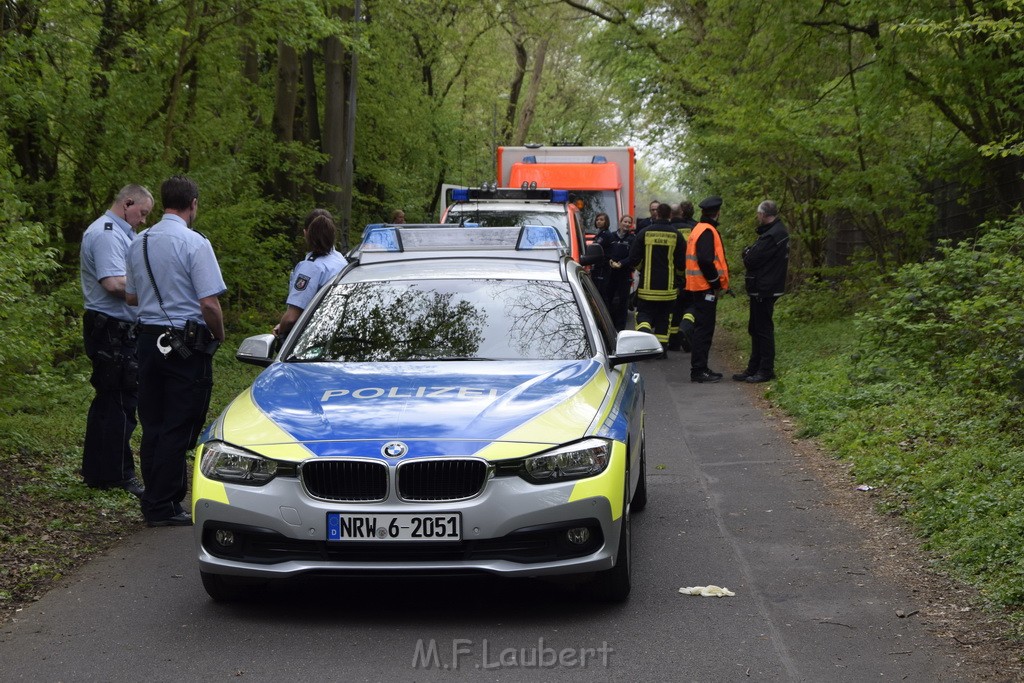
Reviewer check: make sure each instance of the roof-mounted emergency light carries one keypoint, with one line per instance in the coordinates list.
(395, 239)
(527, 190)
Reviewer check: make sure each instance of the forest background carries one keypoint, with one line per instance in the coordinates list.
(891, 134)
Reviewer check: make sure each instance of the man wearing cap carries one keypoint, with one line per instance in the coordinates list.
(766, 262)
(658, 252)
(707, 275)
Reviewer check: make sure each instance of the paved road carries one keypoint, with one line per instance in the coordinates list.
(729, 505)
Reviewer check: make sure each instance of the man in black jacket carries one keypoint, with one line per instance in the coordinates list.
(766, 261)
(659, 253)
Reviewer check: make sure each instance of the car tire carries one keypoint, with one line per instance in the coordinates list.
(613, 585)
(225, 588)
(639, 501)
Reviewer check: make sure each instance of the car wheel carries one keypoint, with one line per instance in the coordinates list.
(639, 501)
(225, 588)
(613, 585)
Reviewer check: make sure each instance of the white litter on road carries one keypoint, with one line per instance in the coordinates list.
(707, 591)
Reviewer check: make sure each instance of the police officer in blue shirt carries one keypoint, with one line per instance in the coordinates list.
(109, 336)
(174, 278)
(321, 264)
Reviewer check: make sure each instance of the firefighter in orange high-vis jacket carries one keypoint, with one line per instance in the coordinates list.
(707, 277)
(659, 253)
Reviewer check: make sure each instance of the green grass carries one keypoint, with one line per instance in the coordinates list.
(951, 461)
(50, 522)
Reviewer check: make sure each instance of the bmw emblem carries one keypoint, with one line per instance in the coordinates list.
(394, 449)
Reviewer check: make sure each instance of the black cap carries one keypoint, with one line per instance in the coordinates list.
(711, 203)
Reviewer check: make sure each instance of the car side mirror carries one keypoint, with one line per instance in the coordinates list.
(593, 255)
(257, 350)
(632, 346)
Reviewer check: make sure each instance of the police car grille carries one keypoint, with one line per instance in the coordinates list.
(448, 479)
(346, 480)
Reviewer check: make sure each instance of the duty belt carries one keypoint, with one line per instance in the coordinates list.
(202, 338)
(157, 329)
(101, 321)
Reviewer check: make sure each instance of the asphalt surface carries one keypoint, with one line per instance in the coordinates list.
(731, 504)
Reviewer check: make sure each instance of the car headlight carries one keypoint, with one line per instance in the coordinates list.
(575, 461)
(222, 462)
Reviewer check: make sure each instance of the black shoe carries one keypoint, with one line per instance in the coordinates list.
(741, 376)
(180, 519)
(705, 376)
(715, 374)
(759, 377)
(133, 486)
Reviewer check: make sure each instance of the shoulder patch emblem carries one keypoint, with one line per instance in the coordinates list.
(108, 226)
(301, 282)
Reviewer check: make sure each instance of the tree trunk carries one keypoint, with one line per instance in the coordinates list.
(530, 103)
(175, 90)
(283, 125)
(334, 118)
(514, 90)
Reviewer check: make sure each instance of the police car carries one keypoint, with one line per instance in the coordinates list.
(504, 206)
(457, 400)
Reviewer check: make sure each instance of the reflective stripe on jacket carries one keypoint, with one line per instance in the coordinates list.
(658, 253)
(695, 278)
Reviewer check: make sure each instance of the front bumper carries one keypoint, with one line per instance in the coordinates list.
(512, 528)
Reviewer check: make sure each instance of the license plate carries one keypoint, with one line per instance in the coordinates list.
(394, 527)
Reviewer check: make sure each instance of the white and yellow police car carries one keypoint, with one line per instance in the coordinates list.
(456, 400)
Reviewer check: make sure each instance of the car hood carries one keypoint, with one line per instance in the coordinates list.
(455, 407)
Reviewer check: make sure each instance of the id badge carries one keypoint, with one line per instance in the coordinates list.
(709, 296)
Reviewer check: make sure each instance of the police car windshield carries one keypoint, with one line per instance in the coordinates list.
(445, 320)
(509, 217)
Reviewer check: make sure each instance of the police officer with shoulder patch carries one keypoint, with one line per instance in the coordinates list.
(174, 278)
(109, 336)
(321, 264)
(707, 276)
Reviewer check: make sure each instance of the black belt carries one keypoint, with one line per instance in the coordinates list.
(202, 339)
(156, 329)
(101, 321)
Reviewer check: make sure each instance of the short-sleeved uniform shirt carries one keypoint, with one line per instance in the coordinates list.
(312, 273)
(184, 267)
(104, 250)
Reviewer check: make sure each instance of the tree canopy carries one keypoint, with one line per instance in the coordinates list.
(877, 126)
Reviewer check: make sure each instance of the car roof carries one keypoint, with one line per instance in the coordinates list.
(506, 204)
(442, 250)
(438, 266)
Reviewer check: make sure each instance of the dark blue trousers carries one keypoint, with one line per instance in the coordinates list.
(107, 452)
(174, 398)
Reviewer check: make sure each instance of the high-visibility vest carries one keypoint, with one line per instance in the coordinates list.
(695, 280)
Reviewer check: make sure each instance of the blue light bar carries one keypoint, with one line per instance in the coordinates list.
(539, 237)
(381, 239)
(559, 196)
(460, 194)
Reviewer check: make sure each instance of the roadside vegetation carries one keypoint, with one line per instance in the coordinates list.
(918, 380)
(50, 522)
